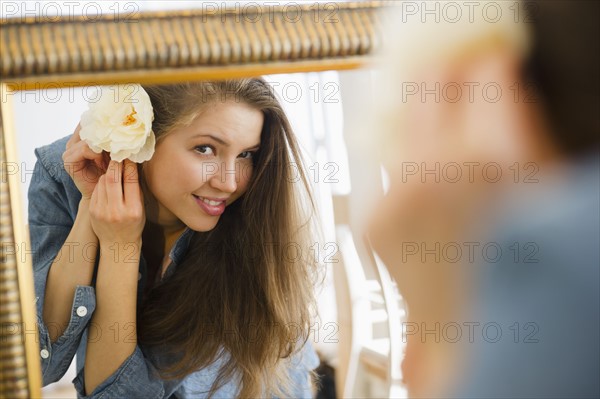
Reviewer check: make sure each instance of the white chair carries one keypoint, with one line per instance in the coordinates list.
(370, 310)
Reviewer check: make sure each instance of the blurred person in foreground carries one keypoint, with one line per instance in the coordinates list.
(490, 226)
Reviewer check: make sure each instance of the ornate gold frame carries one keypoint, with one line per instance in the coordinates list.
(162, 47)
(157, 47)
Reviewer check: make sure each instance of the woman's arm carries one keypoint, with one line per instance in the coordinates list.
(117, 218)
(115, 315)
(74, 267)
(53, 205)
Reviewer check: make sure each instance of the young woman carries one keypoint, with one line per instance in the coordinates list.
(176, 279)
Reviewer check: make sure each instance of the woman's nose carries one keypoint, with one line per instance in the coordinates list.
(226, 177)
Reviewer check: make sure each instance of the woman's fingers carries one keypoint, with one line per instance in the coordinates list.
(99, 197)
(131, 185)
(105, 159)
(121, 183)
(77, 154)
(85, 152)
(75, 138)
(114, 185)
(117, 210)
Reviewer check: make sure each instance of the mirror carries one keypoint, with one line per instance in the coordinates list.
(312, 102)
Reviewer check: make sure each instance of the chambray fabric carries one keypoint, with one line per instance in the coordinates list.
(53, 203)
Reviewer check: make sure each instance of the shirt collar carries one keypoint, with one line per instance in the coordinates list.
(181, 246)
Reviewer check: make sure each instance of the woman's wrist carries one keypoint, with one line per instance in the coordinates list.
(83, 216)
(119, 266)
(121, 251)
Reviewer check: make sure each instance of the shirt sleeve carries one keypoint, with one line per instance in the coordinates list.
(50, 222)
(135, 378)
(138, 377)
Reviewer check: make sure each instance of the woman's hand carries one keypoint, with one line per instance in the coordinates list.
(83, 165)
(117, 206)
(117, 216)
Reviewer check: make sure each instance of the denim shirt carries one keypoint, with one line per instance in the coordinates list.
(53, 204)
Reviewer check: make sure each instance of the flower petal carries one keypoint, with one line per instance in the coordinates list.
(146, 152)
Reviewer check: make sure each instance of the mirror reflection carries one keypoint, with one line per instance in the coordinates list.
(232, 164)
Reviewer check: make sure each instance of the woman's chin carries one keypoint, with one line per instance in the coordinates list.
(203, 225)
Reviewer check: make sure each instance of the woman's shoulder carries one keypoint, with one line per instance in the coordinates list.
(50, 174)
(50, 155)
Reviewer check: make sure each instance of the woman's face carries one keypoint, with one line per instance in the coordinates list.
(198, 170)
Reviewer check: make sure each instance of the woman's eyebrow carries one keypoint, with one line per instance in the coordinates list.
(215, 138)
(253, 147)
(223, 142)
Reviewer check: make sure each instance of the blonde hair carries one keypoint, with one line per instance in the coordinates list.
(416, 40)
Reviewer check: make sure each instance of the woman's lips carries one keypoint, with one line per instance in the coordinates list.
(209, 207)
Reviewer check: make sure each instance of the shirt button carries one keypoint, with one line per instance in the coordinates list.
(44, 354)
(139, 276)
(81, 311)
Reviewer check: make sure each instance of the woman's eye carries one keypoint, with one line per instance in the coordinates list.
(204, 149)
(247, 154)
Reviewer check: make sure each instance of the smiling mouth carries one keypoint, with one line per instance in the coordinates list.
(210, 206)
(209, 202)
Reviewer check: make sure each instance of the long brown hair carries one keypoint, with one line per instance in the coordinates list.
(245, 287)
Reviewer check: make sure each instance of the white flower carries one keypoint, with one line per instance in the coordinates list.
(120, 123)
